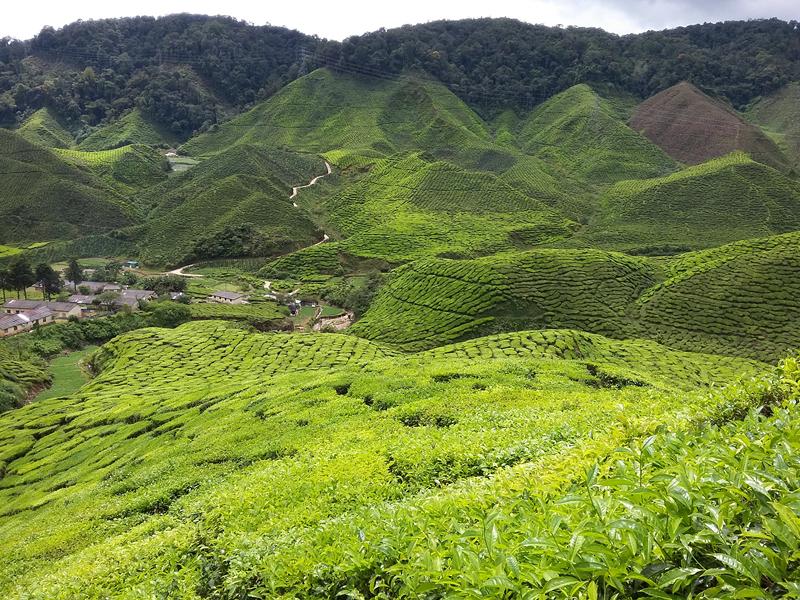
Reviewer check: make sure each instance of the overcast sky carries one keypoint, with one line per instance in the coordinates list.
(342, 18)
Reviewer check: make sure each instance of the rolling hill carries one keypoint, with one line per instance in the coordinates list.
(45, 129)
(46, 197)
(693, 128)
(132, 128)
(779, 114)
(326, 111)
(581, 134)
(246, 184)
(710, 204)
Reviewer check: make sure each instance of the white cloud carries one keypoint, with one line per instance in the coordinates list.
(336, 20)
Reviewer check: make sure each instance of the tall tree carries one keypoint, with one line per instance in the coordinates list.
(21, 275)
(74, 273)
(4, 282)
(48, 279)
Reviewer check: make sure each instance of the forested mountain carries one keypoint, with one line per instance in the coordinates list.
(188, 72)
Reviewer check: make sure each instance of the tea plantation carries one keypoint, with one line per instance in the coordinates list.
(568, 365)
(195, 450)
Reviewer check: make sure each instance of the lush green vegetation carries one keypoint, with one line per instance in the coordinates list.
(207, 457)
(246, 184)
(258, 314)
(133, 128)
(559, 381)
(45, 197)
(720, 201)
(43, 128)
(68, 373)
(186, 71)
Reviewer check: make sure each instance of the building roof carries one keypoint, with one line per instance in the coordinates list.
(34, 304)
(82, 298)
(38, 314)
(9, 321)
(228, 295)
(137, 294)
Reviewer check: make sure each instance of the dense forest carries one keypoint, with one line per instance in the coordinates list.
(188, 72)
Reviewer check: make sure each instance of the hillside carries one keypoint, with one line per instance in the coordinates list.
(433, 302)
(580, 133)
(132, 128)
(716, 202)
(326, 111)
(248, 184)
(741, 299)
(281, 443)
(693, 128)
(779, 115)
(45, 129)
(45, 197)
(128, 169)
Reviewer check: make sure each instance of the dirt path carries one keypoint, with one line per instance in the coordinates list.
(179, 271)
(297, 188)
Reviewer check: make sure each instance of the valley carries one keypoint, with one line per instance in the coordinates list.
(382, 319)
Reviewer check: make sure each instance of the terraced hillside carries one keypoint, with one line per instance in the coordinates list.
(326, 111)
(409, 207)
(432, 302)
(581, 135)
(693, 128)
(132, 128)
(779, 115)
(247, 184)
(45, 129)
(128, 169)
(45, 197)
(741, 299)
(208, 449)
(717, 202)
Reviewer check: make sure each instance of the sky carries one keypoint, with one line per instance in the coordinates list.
(343, 18)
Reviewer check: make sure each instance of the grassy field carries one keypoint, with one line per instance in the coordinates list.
(68, 373)
(207, 446)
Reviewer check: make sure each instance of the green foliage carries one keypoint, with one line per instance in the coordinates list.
(128, 169)
(739, 299)
(260, 313)
(247, 184)
(169, 314)
(252, 460)
(432, 302)
(581, 133)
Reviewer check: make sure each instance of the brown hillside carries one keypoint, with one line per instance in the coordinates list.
(693, 128)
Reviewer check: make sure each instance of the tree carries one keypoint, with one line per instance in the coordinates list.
(48, 279)
(74, 273)
(170, 314)
(108, 299)
(5, 282)
(21, 276)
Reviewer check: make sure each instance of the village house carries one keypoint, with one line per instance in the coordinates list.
(94, 287)
(61, 310)
(228, 297)
(19, 322)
